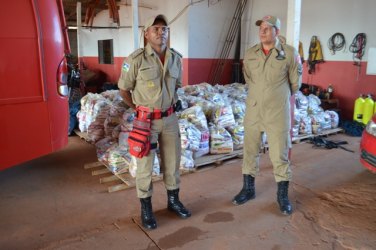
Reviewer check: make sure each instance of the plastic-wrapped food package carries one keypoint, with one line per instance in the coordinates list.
(190, 136)
(81, 117)
(96, 115)
(180, 92)
(206, 105)
(219, 88)
(296, 124)
(192, 90)
(305, 125)
(196, 116)
(196, 138)
(237, 134)
(186, 160)
(184, 104)
(326, 124)
(204, 147)
(127, 120)
(109, 124)
(205, 87)
(95, 131)
(314, 104)
(183, 126)
(102, 147)
(117, 108)
(301, 103)
(114, 116)
(215, 98)
(123, 139)
(83, 113)
(118, 159)
(220, 140)
(223, 116)
(112, 95)
(320, 121)
(198, 89)
(191, 100)
(237, 91)
(116, 131)
(94, 107)
(238, 109)
(334, 118)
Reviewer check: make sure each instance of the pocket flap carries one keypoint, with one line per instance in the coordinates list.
(174, 73)
(149, 73)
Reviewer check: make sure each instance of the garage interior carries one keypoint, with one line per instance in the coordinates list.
(54, 202)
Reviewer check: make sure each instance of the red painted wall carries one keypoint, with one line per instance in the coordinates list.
(343, 77)
(195, 71)
(112, 71)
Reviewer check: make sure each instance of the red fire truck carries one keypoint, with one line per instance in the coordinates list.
(33, 80)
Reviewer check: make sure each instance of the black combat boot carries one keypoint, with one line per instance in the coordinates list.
(147, 216)
(248, 191)
(174, 204)
(283, 199)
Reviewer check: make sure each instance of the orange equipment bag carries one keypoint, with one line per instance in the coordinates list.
(138, 139)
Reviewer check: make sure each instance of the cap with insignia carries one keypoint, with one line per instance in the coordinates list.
(154, 19)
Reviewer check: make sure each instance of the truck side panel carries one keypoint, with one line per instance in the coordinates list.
(34, 117)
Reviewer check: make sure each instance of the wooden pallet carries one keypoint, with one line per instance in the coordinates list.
(122, 181)
(82, 135)
(326, 132)
(217, 159)
(117, 181)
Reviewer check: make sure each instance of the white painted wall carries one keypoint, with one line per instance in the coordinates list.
(350, 17)
(258, 9)
(208, 28)
(199, 31)
(123, 37)
(321, 18)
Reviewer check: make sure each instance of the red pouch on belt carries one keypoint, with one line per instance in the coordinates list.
(139, 144)
(141, 126)
(138, 139)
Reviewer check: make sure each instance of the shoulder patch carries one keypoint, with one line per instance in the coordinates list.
(174, 51)
(125, 66)
(136, 53)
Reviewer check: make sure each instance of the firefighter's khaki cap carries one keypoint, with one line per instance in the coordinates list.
(271, 20)
(152, 20)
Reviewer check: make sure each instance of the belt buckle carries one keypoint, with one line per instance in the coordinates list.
(143, 114)
(157, 115)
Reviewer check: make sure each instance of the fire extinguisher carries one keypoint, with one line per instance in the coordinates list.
(368, 109)
(359, 109)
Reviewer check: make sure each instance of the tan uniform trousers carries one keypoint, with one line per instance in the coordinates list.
(165, 131)
(279, 145)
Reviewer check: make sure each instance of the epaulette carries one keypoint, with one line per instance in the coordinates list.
(136, 53)
(254, 46)
(176, 52)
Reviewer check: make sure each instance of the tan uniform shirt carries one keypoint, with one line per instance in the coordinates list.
(152, 84)
(271, 83)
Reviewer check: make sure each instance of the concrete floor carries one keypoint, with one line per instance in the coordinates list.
(54, 203)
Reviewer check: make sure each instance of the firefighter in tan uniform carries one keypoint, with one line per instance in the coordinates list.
(273, 73)
(148, 81)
